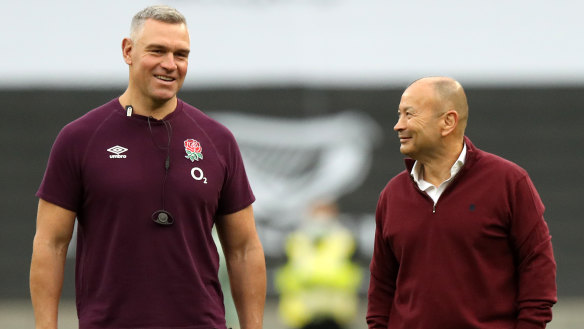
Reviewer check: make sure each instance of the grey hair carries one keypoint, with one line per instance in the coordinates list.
(160, 13)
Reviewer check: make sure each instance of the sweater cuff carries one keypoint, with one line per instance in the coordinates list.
(529, 325)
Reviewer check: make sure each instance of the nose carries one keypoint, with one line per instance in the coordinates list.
(400, 124)
(168, 62)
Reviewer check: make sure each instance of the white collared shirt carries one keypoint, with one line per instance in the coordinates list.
(433, 191)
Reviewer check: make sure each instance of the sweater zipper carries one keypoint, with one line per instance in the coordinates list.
(425, 196)
(455, 178)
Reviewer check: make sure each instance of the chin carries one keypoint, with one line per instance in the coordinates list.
(163, 97)
(404, 150)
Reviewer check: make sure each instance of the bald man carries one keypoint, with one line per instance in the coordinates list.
(460, 238)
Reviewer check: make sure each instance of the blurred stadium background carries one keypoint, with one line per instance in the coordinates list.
(327, 76)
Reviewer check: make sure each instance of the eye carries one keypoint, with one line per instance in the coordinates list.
(181, 56)
(156, 51)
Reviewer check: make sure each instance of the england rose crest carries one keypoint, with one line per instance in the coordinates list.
(194, 150)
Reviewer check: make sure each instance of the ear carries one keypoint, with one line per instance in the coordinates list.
(127, 46)
(450, 122)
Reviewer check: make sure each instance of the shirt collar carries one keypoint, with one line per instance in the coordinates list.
(453, 170)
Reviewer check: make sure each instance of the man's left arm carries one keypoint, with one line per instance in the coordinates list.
(536, 266)
(246, 265)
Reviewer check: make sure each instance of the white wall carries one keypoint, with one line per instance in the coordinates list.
(307, 42)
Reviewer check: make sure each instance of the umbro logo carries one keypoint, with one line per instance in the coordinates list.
(117, 150)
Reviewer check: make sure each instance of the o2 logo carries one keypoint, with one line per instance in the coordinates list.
(197, 174)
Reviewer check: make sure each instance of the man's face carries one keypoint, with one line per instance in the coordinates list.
(418, 124)
(158, 60)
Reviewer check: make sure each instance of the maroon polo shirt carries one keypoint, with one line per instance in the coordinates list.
(109, 168)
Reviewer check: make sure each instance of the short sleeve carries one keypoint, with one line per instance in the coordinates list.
(62, 184)
(236, 193)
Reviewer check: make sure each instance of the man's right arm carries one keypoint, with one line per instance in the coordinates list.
(54, 229)
(382, 284)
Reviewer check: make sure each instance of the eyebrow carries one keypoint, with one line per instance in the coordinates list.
(159, 46)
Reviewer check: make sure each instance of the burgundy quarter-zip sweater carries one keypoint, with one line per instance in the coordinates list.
(480, 258)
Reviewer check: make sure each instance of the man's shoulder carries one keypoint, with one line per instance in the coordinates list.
(87, 123)
(93, 117)
(205, 121)
(397, 182)
(402, 176)
(493, 162)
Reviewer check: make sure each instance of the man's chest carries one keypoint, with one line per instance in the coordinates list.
(144, 162)
(414, 226)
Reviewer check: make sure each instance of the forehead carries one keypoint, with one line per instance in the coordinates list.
(418, 96)
(158, 32)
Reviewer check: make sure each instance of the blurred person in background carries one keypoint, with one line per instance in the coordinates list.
(460, 241)
(319, 284)
(148, 176)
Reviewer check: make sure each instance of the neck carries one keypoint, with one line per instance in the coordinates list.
(147, 106)
(436, 170)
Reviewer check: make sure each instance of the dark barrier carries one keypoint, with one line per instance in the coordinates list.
(538, 128)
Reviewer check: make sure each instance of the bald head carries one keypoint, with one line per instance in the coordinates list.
(432, 119)
(449, 96)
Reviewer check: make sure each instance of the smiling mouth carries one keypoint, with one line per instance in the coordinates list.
(403, 139)
(164, 78)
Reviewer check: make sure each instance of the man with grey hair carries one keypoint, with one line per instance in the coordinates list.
(148, 176)
(460, 238)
